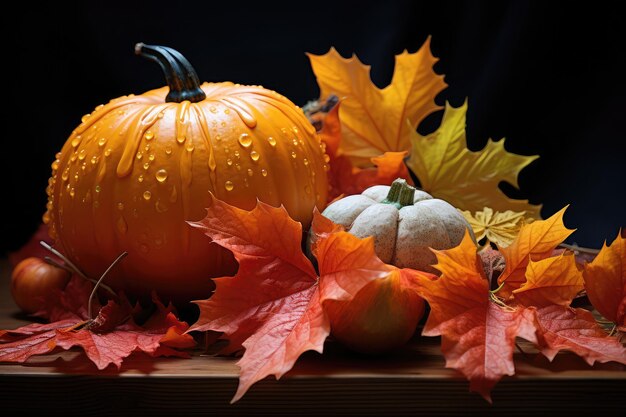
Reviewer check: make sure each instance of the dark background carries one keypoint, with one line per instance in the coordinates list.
(551, 78)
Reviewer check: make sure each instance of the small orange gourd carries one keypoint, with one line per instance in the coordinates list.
(135, 170)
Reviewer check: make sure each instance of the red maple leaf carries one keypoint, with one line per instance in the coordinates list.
(272, 307)
(107, 339)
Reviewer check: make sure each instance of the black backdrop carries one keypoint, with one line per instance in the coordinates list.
(549, 78)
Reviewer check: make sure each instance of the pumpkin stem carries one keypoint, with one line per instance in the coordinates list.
(400, 194)
(179, 74)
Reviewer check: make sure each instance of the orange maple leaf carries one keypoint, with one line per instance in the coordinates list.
(535, 241)
(346, 179)
(273, 306)
(551, 281)
(605, 281)
(374, 120)
(478, 335)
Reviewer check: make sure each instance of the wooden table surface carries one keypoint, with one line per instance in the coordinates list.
(412, 381)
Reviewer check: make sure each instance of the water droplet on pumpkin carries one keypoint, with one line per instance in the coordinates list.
(161, 175)
(305, 162)
(140, 178)
(238, 167)
(218, 137)
(72, 192)
(181, 139)
(149, 135)
(102, 141)
(147, 195)
(146, 165)
(151, 157)
(295, 141)
(326, 168)
(264, 172)
(94, 160)
(295, 130)
(85, 117)
(122, 227)
(46, 218)
(227, 111)
(245, 140)
(229, 162)
(190, 147)
(82, 154)
(250, 172)
(55, 165)
(120, 206)
(254, 155)
(237, 154)
(271, 141)
(66, 174)
(160, 207)
(83, 166)
(139, 155)
(212, 109)
(223, 124)
(293, 155)
(168, 150)
(98, 188)
(108, 152)
(229, 185)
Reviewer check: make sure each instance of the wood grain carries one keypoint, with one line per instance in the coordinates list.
(411, 381)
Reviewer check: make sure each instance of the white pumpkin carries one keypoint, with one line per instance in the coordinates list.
(404, 222)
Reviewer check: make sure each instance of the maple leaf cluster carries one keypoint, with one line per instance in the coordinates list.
(371, 136)
(273, 310)
(478, 326)
(106, 339)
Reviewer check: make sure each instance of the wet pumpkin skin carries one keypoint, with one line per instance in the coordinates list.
(136, 170)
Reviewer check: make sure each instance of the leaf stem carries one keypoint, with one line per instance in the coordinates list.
(493, 292)
(95, 288)
(70, 267)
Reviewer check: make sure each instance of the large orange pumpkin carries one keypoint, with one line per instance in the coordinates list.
(135, 170)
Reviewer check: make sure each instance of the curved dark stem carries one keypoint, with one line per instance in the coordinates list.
(179, 74)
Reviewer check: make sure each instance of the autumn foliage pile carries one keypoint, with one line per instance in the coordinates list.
(520, 284)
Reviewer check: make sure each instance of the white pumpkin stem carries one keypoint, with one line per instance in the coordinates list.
(400, 194)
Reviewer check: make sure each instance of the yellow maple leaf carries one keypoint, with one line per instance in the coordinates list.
(467, 180)
(374, 121)
(500, 228)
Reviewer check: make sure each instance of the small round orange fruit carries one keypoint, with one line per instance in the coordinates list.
(33, 278)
